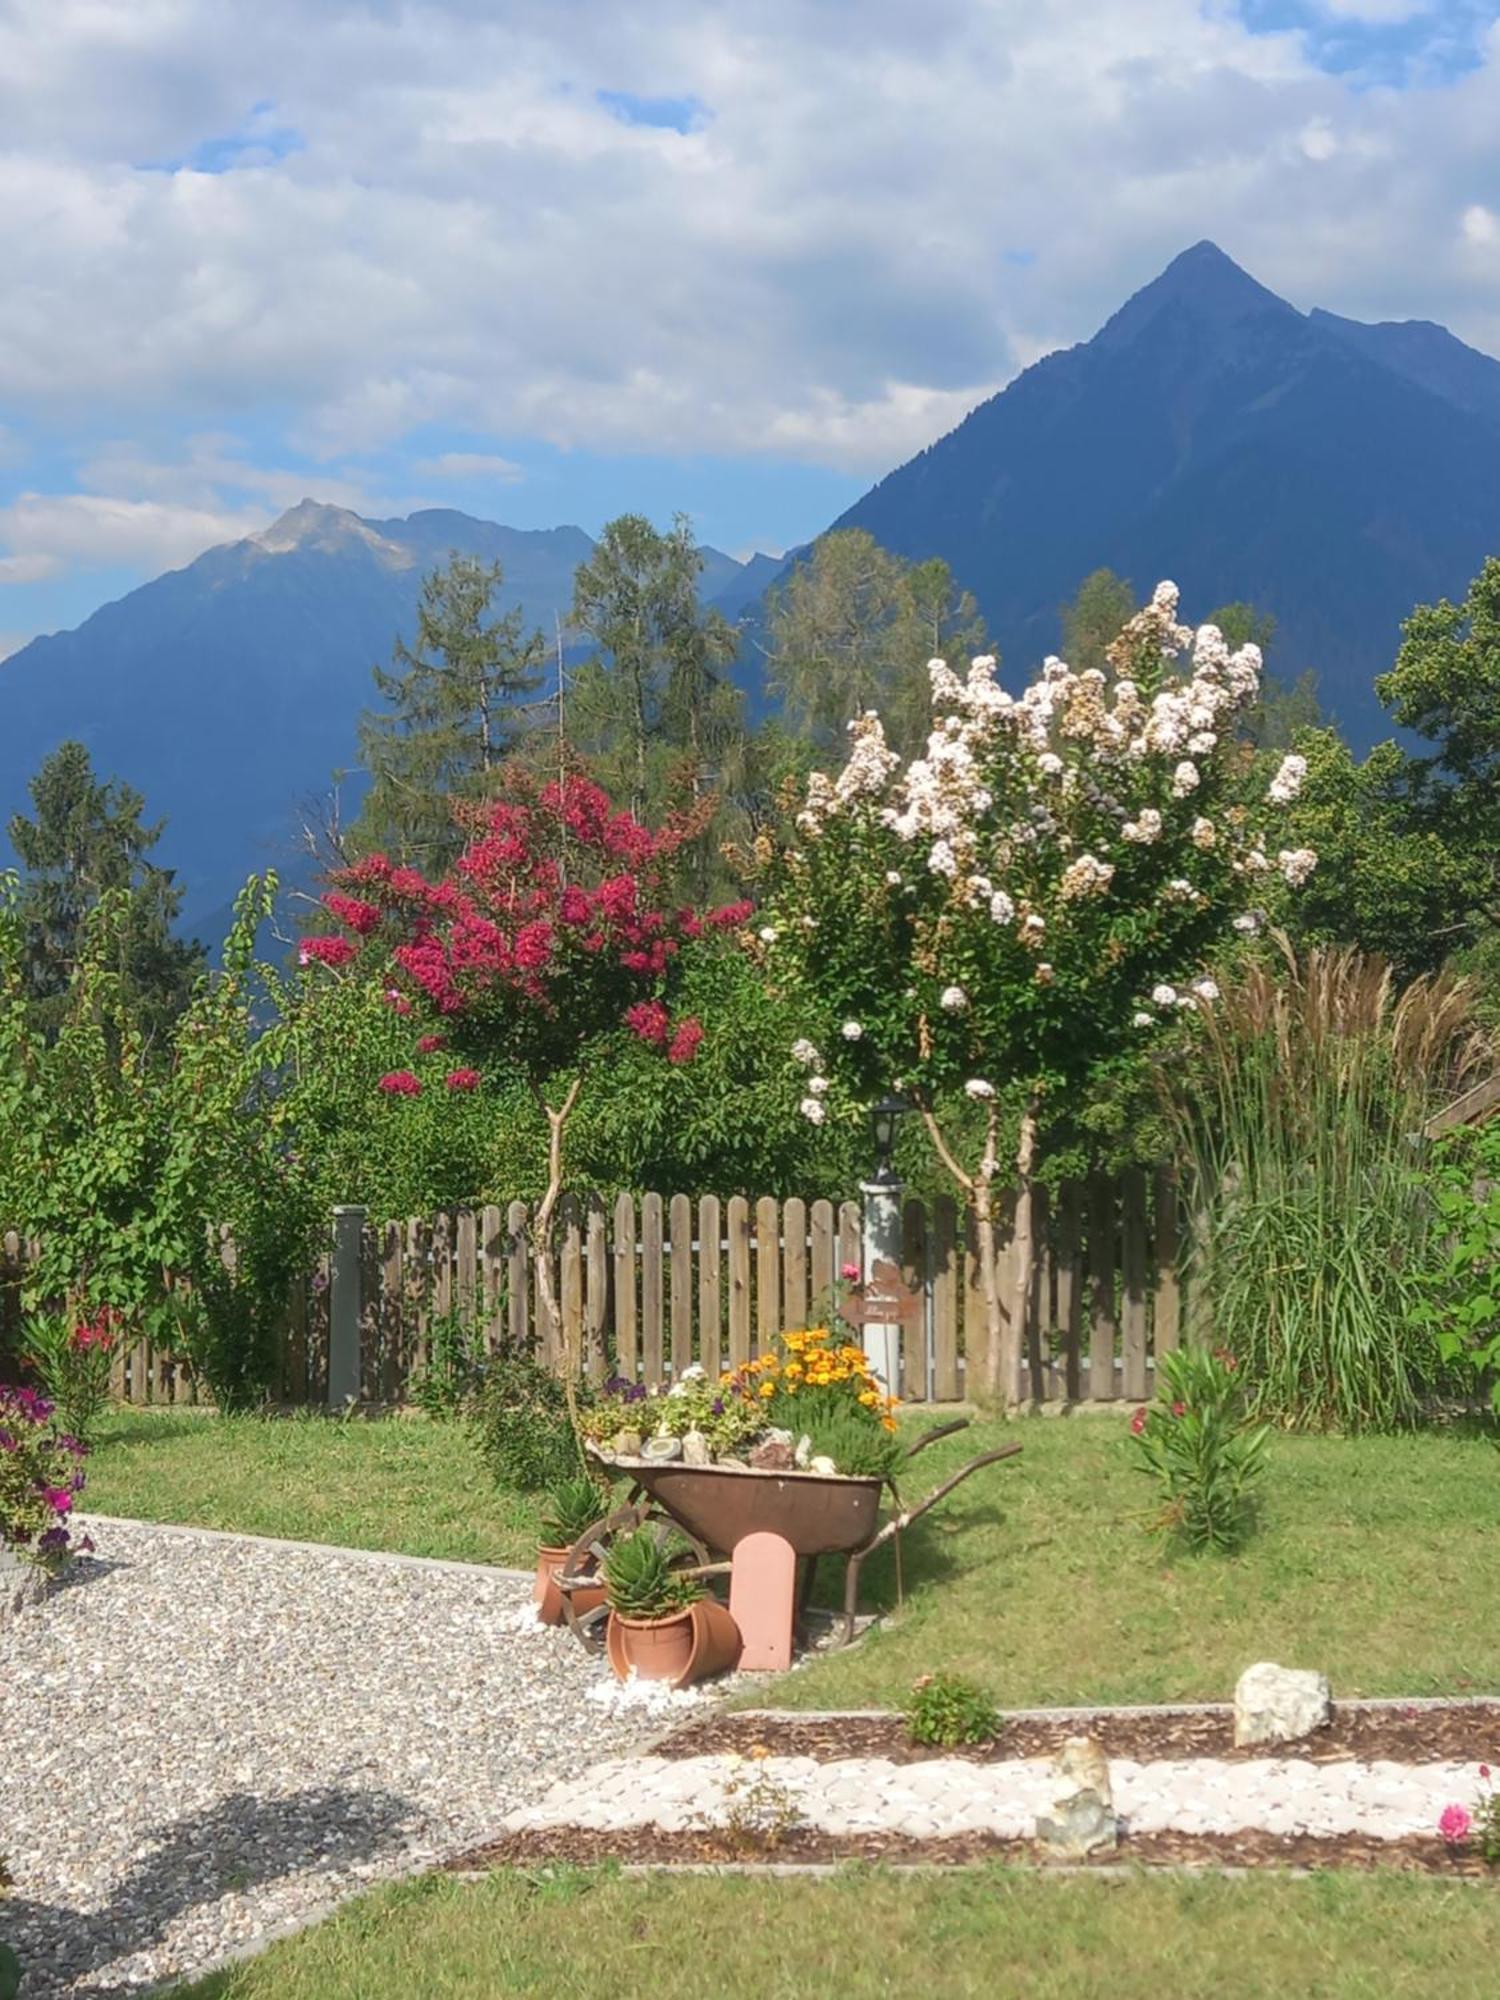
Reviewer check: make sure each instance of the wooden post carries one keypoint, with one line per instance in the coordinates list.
(344, 1307)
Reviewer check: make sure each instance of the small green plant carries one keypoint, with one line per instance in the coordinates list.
(640, 1582)
(457, 1362)
(1197, 1443)
(520, 1422)
(571, 1509)
(859, 1446)
(946, 1710)
(759, 1809)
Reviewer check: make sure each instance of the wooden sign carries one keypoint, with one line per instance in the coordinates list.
(886, 1300)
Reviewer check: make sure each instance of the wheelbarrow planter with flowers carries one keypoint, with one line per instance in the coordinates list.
(795, 1449)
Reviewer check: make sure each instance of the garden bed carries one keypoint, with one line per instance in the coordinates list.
(1399, 1733)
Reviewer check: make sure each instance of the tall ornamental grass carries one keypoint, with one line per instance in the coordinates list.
(1302, 1121)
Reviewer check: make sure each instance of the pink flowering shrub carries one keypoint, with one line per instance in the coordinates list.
(41, 1474)
(1196, 1442)
(72, 1353)
(553, 932)
(1461, 1828)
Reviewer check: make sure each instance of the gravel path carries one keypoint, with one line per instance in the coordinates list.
(949, 1795)
(206, 1739)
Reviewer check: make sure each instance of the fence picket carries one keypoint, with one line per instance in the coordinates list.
(1069, 1237)
(943, 1257)
(976, 1324)
(1166, 1297)
(517, 1278)
(596, 1299)
(793, 1263)
(1133, 1274)
(822, 1250)
(913, 1384)
(627, 1350)
(651, 1327)
(767, 1274)
(570, 1278)
(1101, 1271)
(739, 1280)
(681, 1217)
(491, 1276)
(466, 1265)
(710, 1255)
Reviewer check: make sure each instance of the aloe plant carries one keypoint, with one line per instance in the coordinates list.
(571, 1509)
(640, 1582)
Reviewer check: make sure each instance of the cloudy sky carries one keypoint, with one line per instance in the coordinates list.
(548, 259)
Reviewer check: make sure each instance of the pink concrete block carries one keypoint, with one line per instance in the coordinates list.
(762, 1598)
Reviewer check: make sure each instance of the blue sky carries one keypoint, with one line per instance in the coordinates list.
(547, 262)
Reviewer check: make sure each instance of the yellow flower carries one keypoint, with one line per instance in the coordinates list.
(768, 1389)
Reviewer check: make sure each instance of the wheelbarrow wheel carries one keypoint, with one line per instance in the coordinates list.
(583, 1565)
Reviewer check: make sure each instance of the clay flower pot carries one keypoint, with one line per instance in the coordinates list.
(658, 1649)
(716, 1640)
(548, 1598)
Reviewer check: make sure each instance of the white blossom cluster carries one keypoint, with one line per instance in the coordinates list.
(1090, 771)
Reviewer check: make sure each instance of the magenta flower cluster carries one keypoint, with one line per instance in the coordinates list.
(41, 1474)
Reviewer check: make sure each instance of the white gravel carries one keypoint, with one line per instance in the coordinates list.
(950, 1795)
(207, 1739)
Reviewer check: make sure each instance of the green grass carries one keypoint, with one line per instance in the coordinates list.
(405, 1483)
(986, 1932)
(1375, 1558)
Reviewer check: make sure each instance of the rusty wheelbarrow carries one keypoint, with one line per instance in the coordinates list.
(707, 1510)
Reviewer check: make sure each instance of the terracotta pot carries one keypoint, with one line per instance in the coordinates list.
(659, 1649)
(548, 1598)
(716, 1640)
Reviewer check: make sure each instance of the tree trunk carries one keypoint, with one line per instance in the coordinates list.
(1024, 1252)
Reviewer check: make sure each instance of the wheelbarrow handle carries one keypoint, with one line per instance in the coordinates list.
(938, 1431)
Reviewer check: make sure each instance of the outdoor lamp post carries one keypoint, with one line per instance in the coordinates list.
(881, 1237)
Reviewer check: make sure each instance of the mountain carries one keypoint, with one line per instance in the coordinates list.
(1332, 473)
(227, 692)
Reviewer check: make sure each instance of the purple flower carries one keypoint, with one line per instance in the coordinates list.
(53, 1542)
(58, 1498)
(8, 1442)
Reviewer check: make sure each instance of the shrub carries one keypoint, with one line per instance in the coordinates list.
(571, 1509)
(1461, 1280)
(41, 1473)
(639, 1579)
(457, 1362)
(858, 1447)
(520, 1422)
(71, 1355)
(1196, 1442)
(946, 1710)
(1300, 1117)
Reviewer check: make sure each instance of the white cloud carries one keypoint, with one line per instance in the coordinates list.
(1481, 225)
(45, 531)
(470, 465)
(829, 267)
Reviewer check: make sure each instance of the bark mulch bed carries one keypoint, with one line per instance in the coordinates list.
(1462, 1733)
(651, 1846)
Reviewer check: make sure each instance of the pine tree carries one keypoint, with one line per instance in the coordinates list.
(454, 709)
(88, 837)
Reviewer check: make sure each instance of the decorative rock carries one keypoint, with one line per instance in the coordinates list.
(661, 1450)
(1083, 1818)
(772, 1456)
(824, 1467)
(695, 1449)
(803, 1452)
(778, 1436)
(1279, 1704)
(627, 1444)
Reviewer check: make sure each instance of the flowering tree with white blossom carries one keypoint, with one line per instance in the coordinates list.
(1001, 916)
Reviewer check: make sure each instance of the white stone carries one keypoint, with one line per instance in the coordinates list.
(1275, 1704)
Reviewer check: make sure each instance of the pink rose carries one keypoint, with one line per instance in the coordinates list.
(1455, 1825)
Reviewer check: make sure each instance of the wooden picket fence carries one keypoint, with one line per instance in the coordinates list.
(648, 1286)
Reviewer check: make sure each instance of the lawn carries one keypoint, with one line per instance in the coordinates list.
(986, 1932)
(402, 1483)
(1376, 1559)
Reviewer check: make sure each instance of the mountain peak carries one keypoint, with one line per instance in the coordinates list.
(314, 524)
(1201, 282)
